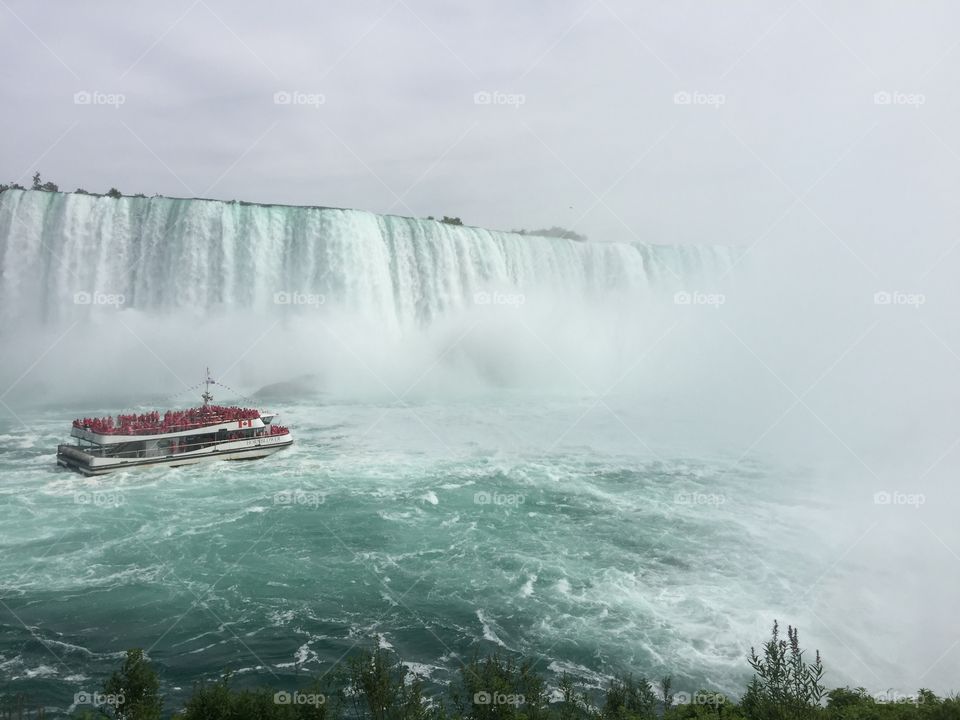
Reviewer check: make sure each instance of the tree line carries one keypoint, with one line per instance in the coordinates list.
(375, 685)
(49, 186)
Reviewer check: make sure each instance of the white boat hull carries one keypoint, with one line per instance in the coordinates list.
(74, 458)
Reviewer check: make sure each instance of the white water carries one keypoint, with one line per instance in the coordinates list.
(578, 357)
(154, 288)
(162, 254)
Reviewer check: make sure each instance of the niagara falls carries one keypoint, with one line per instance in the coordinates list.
(423, 361)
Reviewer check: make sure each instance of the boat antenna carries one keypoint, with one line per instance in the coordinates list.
(207, 397)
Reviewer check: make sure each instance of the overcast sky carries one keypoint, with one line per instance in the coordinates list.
(658, 121)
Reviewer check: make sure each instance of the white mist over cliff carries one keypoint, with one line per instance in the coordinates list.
(165, 285)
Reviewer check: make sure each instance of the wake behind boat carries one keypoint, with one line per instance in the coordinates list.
(175, 437)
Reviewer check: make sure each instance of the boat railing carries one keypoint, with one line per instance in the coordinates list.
(178, 446)
(162, 426)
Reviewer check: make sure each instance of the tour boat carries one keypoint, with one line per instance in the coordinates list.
(176, 437)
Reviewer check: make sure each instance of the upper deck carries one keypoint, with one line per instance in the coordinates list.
(173, 423)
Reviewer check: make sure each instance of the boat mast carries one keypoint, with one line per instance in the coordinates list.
(207, 397)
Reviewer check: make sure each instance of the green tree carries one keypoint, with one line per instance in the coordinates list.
(219, 702)
(573, 705)
(705, 705)
(114, 193)
(378, 688)
(38, 184)
(784, 686)
(630, 698)
(136, 689)
(501, 689)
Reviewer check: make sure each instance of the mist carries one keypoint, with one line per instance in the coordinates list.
(764, 307)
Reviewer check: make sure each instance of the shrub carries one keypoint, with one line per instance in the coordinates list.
(377, 688)
(630, 699)
(219, 702)
(501, 689)
(784, 686)
(137, 687)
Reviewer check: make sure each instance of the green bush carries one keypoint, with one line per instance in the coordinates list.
(784, 686)
(137, 687)
(630, 698)
(219, 702)
(497, 688)
(377, 686)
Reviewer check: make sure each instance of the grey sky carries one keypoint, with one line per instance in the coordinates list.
(781, 99)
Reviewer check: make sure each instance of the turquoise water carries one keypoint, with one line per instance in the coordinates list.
(459, 482)
(437, 530)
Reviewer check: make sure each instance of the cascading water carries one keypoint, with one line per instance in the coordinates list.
(555, 491)
(58, 251)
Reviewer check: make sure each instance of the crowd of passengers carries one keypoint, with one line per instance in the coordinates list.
(170, 421)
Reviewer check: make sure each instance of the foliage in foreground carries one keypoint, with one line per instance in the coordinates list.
(378, 686)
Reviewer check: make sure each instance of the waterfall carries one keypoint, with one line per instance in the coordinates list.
(61, 253)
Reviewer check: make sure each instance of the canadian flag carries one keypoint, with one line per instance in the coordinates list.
(244, 423)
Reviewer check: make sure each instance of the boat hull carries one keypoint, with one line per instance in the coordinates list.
(74, 458)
